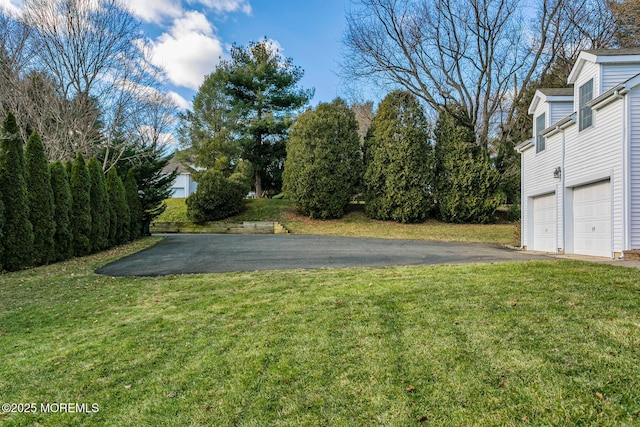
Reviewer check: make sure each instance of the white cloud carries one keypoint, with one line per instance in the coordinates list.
(155, 10)
(222, 6)
(189, 51)
(180, 102)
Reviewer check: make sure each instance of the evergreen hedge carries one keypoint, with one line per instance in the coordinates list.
(100, 221)
(323, 169)
(120, 217)
(135, 206)
(62, 200)
(41, 207)
(18, 231)
(81, 207)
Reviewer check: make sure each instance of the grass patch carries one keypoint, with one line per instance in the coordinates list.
(553, 343)
(356, 224)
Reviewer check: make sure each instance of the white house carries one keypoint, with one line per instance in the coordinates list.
(184, 185)
(581, 170)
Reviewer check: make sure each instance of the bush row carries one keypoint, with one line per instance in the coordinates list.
(51, 212)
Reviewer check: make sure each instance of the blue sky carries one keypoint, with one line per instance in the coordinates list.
(188, 37)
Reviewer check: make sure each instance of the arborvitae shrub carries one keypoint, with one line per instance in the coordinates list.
(398, 179)
(62, 211)
(41, 207)
(135, 207)
(120, 217)
(81, 208)
(323, 169)
(100, 211)
(18, 231)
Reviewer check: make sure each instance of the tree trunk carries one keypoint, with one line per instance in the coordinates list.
(258, 185)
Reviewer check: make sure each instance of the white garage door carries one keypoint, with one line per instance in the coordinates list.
(544, 223)
(592, 219)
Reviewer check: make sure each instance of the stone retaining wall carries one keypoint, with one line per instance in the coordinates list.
(247, 227)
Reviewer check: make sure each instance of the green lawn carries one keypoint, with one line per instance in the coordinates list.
(356, 224)
(554, 343)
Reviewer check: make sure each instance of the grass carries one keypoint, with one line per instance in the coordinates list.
(356, 224)
(553, 343)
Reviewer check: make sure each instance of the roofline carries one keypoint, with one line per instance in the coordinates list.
(600, 59)
(561, 124)
(539, 95)
(524, 145)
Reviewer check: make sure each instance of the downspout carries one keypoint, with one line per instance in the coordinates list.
(564, 196)
(626, 173)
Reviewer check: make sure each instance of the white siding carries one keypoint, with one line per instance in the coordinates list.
(614, 74)
(589, 71)
(560, 110)
(538, 180)
(596, 153)
(634, 160)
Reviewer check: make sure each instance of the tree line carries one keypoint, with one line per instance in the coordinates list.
(50, 212)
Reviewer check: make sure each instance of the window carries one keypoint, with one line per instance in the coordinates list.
(540, 142)
(585, 115)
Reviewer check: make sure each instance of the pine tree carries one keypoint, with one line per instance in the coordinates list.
(63, 239)
(135, 207)
(120, 217)
(41, 207)
(81, 208)
(468, 187)
(100, 211)
(399, 161)
(1, 233)
(323, 169)
(68, 168)
(18, 231)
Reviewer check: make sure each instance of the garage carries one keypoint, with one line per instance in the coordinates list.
(592, 219)
(544, 223)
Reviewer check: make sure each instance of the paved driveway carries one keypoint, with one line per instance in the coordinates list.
(206, 253)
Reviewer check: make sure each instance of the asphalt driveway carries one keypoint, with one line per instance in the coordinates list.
(208, 253)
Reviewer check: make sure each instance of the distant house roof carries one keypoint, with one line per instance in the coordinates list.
(173, 165)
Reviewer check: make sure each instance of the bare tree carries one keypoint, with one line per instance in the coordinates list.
(476, 53)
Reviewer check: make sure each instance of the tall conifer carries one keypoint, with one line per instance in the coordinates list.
(18, 231)
(41, 206)
(62, 212)
(135, 207)
(100, 211)
(119, 224)
(81, 208)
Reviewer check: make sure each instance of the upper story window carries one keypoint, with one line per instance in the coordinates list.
(585, 115)
(540, 125)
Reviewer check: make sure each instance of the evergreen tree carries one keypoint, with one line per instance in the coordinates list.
(120, 217)
(398, 179)
(18, 231)
(466, 183)
(1, 233)
(68, 168)
(100, 211)
(81, 208)
(323, 169)
(41, 206)
(135, 207)
(63, 239)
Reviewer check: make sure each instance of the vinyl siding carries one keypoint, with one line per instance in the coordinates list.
(560, 110)
(539, 180)
(589, 71)
(614, 74)
(634, 159)
(596, 152)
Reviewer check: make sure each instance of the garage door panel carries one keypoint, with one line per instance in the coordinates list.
(544, 223)
(592, 219)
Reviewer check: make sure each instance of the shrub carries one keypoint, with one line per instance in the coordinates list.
(323, 169)
(62, 202)
(81, 207)
(38, 179)
(216, 198)
(467, 184)
(18, 231)
(135, 206)
(100, 220)
(119, 215)
(398, 179)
